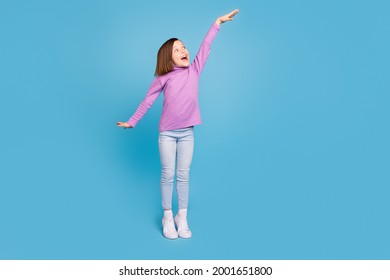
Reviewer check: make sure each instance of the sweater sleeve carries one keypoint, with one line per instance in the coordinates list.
(151, 96)
(204, 50)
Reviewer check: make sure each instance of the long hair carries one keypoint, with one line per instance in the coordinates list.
(164, 58)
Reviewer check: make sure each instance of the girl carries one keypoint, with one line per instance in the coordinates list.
(178, 79)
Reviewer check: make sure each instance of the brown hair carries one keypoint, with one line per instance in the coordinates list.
(164, 58)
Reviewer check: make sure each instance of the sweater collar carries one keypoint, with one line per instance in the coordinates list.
(179, 68)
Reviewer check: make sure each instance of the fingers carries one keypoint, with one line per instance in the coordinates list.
(125, 125)
(227, 17)
(122, 124)
(232, 14)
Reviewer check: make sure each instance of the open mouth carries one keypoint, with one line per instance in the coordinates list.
(184, 58)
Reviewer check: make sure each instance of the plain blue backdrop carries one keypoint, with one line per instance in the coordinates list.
(291, 161)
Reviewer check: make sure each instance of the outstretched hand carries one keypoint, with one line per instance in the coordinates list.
(227, 17)
(123, 124)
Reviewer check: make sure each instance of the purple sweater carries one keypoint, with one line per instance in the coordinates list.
(180, 87)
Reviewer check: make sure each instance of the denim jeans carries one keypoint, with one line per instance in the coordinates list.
(176, 149)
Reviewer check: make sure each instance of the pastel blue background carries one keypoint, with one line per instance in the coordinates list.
(291, 161)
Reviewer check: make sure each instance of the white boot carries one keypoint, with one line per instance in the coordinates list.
(182, 225)
(169, 230)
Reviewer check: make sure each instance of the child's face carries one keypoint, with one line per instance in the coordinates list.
(180, 55)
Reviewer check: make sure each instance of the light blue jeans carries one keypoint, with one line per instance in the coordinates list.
(176, 149)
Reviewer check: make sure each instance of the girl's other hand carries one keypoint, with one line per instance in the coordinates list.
(227, 17)
(123, 124)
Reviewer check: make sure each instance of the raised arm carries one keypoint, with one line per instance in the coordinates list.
(204, 50)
